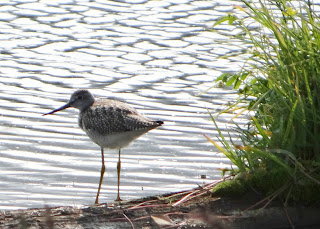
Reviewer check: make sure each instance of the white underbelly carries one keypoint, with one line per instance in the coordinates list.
(115, 140)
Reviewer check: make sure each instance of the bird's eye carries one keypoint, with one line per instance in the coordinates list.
(80, 97)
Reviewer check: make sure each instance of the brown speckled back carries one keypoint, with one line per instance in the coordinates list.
(108, 116)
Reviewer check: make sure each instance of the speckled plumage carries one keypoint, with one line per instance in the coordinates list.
(113, 124)
(109, 123)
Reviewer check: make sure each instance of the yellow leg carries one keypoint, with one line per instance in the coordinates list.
(118, 171)
(103, 168)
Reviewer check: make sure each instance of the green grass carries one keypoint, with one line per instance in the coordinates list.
(283, 84)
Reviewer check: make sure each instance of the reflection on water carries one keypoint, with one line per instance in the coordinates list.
(155, 55)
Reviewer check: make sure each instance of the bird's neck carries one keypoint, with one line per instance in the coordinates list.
(88, 105)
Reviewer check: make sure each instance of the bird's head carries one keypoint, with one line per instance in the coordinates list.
(81, 99)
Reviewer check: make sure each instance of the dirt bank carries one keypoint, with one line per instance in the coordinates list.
(189, 209)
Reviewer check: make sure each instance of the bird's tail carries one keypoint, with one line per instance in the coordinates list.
(159, 123)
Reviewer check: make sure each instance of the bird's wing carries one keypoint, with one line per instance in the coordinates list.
(110, 116)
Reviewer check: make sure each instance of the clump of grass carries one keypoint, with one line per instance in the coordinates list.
(230, 188)
(282, 87)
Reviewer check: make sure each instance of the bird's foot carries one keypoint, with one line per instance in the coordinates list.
(118, 199)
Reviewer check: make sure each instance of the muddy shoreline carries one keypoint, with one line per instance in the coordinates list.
(190, 209)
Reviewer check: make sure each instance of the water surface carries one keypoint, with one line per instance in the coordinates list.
(155, 55)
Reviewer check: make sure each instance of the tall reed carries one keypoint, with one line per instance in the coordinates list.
(283, 84)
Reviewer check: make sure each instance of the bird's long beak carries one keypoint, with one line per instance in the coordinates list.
(60, 108)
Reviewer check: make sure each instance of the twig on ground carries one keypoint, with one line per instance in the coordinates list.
(203, 190)
(128, 220)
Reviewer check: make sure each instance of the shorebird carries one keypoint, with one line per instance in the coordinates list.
(108, 123)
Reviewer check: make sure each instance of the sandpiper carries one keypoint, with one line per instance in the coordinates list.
(108, 123)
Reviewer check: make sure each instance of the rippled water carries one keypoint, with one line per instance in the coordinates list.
(155, 55)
